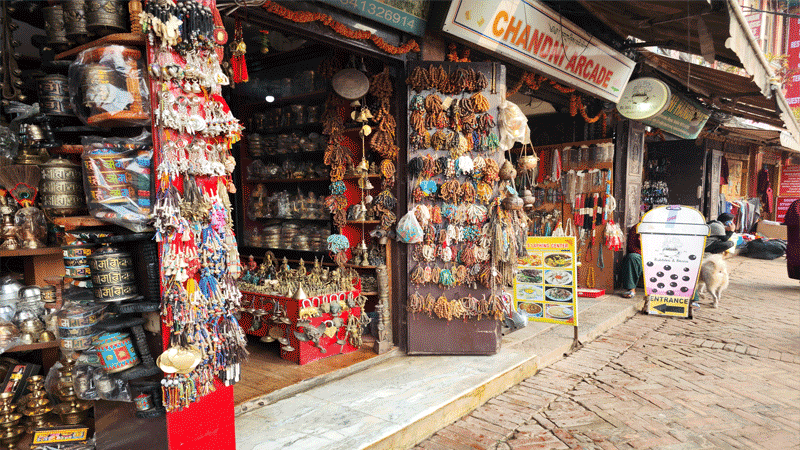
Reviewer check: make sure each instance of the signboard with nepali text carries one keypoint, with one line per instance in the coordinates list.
(537, 37)
(545, 287)
(790, 181)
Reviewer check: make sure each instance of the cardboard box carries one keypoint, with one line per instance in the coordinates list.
(772, 230)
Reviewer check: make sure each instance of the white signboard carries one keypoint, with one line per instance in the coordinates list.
(534, 35)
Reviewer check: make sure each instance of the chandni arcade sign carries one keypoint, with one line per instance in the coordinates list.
(537, 37)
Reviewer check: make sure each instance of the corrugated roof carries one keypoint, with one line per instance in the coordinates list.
(728, 92)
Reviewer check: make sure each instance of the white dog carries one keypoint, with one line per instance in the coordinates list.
(713, 276)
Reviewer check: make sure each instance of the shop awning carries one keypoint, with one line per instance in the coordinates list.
(728, 92)
(717, 30)
(768, 137)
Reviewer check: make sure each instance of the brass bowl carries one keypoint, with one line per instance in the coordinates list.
(10, 420)
(72, 414)
(8, 330)
(47, 336)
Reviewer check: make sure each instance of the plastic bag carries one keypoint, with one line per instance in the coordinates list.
(613, 236)
(408, 229)
(117, 179)
(107, 87)
(513, 126)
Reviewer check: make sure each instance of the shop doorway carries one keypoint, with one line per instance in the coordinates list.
(281, 216)
(681, 166)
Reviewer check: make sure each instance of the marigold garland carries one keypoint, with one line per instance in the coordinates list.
(338, 27)
(453, 54)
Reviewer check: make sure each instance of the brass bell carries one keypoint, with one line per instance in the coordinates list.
(300, 294)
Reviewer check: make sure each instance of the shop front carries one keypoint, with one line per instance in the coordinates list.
(206, 198)
(562, 78)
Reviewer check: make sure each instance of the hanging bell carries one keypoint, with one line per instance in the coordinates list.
(363, 166)
(368, 114)
(365, 184)
(300, 294)
(507, 171)
(362, 117)
(355, 104)
(528, 199)
(366, 130)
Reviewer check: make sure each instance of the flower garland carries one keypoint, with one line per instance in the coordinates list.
(306, 17)
(452, 55)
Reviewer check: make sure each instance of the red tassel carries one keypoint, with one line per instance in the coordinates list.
(239, 66)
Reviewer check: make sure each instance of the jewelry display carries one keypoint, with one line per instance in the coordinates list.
(198, 249)
(470, 236)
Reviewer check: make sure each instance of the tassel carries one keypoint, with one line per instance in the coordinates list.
(238, 51)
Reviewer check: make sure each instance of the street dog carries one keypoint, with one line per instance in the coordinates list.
(713, 276)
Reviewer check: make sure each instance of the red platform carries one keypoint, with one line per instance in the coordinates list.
(304, 351)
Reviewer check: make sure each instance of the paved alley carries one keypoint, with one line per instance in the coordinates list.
(727, 379)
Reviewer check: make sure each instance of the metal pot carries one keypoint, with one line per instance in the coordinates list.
(30, 293)
(9, 289)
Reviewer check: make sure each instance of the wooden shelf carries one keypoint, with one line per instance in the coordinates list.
(30, 347)
(303, 98)
(301, 180)
(363, 222)
(294, 218)
(518, 148)
(73, 222)
(369, 293)
(355, 266)
(134, 39)
(31, 252)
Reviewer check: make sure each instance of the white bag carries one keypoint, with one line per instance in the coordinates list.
(408, 229)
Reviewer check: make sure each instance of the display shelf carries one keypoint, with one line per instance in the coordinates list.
(31, 252)
(134, 39)
(301, 180)
(277, 130)
(356, 266)
(31, 347)
(518, 148)
(287, 180)
(363, 222)
(302, 98)
(73, 222)
(370, 293)
(294, 218)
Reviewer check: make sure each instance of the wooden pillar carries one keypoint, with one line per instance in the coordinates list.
(756, 157)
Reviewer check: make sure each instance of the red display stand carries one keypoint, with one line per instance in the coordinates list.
(304, 351)
(207, 424)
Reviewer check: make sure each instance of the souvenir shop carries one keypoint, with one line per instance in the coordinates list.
(565, 174)
(212, 195)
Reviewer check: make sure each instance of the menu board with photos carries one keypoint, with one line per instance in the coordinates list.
(546, 284)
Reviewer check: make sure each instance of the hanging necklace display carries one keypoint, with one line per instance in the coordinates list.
(454, 169)
(198, 249)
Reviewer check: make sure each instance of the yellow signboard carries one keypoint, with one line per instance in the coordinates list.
(546, 284)
(669, 305)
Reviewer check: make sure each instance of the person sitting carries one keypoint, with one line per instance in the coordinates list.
(719, 234)
(631, 270)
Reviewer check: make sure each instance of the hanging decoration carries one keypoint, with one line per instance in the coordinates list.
(339, 28)
(238, 52)
(200, 261)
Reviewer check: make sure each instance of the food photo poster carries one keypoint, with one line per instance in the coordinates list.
(545, 286)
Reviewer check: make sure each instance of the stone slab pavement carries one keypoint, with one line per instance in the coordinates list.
(729, 378)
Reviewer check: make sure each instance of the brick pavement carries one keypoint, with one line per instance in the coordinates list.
(727, 379)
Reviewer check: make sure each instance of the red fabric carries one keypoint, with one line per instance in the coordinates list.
(792, 222)
(634, 243)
